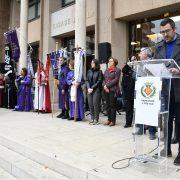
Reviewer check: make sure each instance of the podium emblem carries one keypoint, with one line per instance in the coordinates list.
(148, 90)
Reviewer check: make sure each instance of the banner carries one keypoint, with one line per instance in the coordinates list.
(54, 64)
(12, 40)
(147, 100)
(54, 58)
(8, 67)
(78, 69)
(30, 67)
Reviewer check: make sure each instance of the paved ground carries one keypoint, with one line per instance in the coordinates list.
(79, 150)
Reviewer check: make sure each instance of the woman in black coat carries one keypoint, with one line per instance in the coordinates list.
(94, 85)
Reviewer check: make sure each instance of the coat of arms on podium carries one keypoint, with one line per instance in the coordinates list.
(148, 90)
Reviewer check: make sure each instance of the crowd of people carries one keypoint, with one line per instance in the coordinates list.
(96, 81)
(15, 92)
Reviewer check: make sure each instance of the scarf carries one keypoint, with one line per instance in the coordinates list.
(112, 69)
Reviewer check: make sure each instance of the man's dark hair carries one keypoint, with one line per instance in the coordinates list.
(25, 71)
(168, 21)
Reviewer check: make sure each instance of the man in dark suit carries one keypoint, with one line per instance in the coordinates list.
(169, 48)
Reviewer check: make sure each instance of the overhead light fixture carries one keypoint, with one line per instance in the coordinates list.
(166, 14)
(138, 26)
(151, 36)
(133, 43)
(155, 37)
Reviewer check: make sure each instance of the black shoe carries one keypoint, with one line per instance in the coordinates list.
(174, 141)
(91, 122)
(177, 160)
(61, 115)
(127, 126)
(78, 119)
(71, 118)
(66, 115)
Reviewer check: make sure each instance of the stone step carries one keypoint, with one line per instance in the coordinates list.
(24, 168)
(57, 165)
(5, 175)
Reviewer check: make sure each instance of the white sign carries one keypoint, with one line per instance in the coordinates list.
(63, 21)
(147, 101)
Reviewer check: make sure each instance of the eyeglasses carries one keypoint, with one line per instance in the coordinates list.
(166, 31)
(110, 60)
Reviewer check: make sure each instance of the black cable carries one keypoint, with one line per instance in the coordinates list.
(128, 164)
(153, 149)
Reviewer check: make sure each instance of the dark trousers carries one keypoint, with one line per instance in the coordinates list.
(94, 101)
(104, 104)
(152, 130)
(129, 111)
(111, 106)
(174, 112)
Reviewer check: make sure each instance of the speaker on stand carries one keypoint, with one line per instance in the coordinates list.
(104, 51)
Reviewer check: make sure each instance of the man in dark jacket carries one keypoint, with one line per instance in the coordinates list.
(169, 48)
(128, 84)
(63, 89)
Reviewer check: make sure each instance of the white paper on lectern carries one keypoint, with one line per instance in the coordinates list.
(147, 107)
(157, 70)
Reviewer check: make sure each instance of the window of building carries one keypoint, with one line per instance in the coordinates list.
(69, 42)
(146, 33)
(67, 2)
(34, 9)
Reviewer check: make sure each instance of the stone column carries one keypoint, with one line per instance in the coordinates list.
(80, 23)
(80, 30)
(96, 28)
(23, 33)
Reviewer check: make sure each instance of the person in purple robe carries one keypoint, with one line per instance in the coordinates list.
(75, 95)
(63, 89)
(24, 97)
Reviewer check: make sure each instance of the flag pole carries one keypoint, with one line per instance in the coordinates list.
(38, 79)
(54, 84)
(75, 104)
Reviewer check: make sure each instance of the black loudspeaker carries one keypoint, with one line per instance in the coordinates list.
(104, 51)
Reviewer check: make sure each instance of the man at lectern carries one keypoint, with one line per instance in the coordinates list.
(169, 48)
